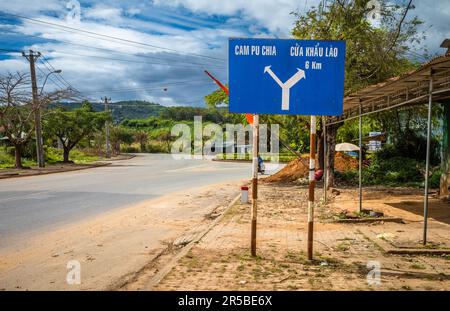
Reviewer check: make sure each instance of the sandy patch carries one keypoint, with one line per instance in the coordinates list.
(110, 247)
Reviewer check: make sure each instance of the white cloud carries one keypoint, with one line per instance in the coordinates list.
(103, 12)
(190, 26)
(275, 15)
(25, 7)
(436, 15)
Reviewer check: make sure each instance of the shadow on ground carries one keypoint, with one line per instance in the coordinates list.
(439, 211)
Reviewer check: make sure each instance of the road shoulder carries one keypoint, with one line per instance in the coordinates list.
(343, 256)
(113, 247)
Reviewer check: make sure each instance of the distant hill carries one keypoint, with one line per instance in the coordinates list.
(130, 109)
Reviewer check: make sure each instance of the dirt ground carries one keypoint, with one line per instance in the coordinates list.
(111, 248)
(344, 253)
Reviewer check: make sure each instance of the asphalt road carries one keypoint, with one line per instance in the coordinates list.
(28, 204)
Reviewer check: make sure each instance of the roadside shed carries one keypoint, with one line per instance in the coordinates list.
(429, 84)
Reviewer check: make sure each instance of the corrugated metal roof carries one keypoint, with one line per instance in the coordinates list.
(409, 88)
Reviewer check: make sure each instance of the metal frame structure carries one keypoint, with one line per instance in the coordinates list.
(429, 83)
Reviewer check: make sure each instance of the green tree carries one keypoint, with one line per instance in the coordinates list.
(373, 54)
(167, 138)
(70, 127)
(141, 137)
(120, 135)
(217, 98)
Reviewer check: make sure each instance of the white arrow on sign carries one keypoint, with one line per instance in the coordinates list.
(286, 86)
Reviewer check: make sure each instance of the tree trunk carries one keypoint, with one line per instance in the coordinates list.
(142, 147)
(331, 144)
(320, 154)
(66, 154)
(116, 148)
(18, 156)
(445, 154)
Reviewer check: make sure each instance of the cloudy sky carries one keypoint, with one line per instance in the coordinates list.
(153, 50)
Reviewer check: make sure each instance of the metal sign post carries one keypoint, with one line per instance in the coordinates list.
(325, 160)
(427, 159)
(312, 184)
(360, 159)
(254, 182)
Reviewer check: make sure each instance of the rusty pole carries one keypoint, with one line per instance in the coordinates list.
(254, 182)
(312, 183)
(427, 159)
(325, 159)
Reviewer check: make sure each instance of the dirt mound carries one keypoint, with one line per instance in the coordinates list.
(344, 162)
(297, 168)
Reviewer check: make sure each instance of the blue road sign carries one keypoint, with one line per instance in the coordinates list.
(277, 76)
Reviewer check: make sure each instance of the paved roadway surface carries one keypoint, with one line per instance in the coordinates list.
(32, 203)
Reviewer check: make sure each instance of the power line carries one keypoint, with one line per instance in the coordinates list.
(152, 87)
(59, 85)
(126, 60)
(167, 63)
(119, 52)
(57, 77)
(60, 76)
(71, 29)
(65, 83)
(62, 85)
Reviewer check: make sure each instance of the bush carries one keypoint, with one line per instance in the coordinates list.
(130, 149)
(435, 178)
(392, 171)
(156, 148)
(346, 178)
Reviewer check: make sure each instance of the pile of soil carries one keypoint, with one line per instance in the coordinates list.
(344, 162)
(297, 168)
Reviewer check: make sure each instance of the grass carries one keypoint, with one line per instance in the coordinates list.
(53, 155)
(342, 247)
(417, 266)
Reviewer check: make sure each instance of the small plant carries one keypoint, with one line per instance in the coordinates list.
(418, 266)
(342, 247)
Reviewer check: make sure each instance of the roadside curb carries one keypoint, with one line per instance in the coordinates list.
(102, 164)
(388, 248)
(87, 166)
(158, 277)
(126, 157)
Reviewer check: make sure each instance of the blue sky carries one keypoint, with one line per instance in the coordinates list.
(178, 40)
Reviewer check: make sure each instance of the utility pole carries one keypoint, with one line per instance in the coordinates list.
(32, 57)
(255, 152)
(108, 151)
